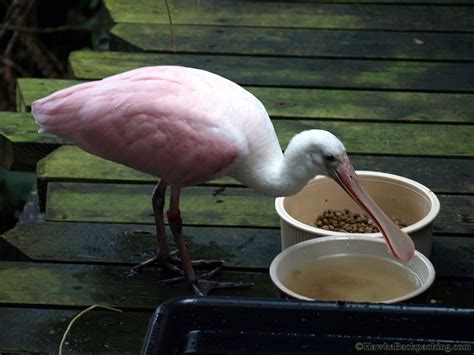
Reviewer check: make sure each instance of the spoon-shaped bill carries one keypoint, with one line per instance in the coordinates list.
(400, 244)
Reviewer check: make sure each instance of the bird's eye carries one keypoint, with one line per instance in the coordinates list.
(330, 158)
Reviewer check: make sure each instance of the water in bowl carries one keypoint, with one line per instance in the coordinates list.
(358, 278)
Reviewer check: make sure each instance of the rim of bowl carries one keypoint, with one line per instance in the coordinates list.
(430, 216)
(425, 285)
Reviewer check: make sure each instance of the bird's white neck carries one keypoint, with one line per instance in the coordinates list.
(281, 174)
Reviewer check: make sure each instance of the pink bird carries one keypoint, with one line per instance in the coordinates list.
(188, 126)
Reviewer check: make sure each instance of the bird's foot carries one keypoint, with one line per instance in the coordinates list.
(201, 285)
(173, 263)
(159, 260)
(201, 263)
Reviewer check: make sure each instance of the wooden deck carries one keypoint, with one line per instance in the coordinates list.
(393, 79)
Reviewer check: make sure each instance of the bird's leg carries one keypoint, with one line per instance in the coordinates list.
(162, 256)
(199, 284)
(176, 225)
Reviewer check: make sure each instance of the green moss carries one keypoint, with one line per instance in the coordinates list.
(391, 138)
(21, 127)
(290, 72)
(282, 14)
(131, 244)
(84, 285)
(72, 163)
(324, 103)
(21, 146)
(132, 204)
(31, 89)
(209, 251)
(393, 73)
(30, 284)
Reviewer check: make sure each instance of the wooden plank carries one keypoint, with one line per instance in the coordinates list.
(442, 175)
(366, 105)
(293, 42)
(453, 257)
(34, 330)
(359, 138)
(21, 141)
(31, 89)
(205, 206)
(448, 293)
(406, 2)
(131, 244)
(59, 285)
(456, 215)
(70, 285)
(279, 14)
(21, 128)
(291, 72)
(389, 138)
(112, 203)
(21, 146)
(70, 163)
(320, 103)
(242, 248)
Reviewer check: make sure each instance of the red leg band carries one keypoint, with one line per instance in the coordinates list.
(173, 216)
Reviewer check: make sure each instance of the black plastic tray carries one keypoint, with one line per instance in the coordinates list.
(220, 325)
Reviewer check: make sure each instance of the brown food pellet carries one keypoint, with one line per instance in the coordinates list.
(346, 221)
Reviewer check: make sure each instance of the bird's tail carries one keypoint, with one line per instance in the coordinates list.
(57, 113)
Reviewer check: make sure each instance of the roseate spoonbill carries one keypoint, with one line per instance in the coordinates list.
(188, 126)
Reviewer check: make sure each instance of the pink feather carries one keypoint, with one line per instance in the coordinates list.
(184, 125)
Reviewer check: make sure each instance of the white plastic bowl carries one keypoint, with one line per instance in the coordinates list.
(398, 196)
(300, 254)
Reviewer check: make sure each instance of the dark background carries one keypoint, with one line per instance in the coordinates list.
(36, 37)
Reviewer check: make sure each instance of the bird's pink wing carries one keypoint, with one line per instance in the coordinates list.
(149, 120)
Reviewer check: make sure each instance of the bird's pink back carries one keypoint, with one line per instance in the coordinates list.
(184, 125)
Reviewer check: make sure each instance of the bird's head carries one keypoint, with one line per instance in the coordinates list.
(324, 154)
(324, 151)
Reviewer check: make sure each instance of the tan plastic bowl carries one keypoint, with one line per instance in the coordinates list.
(399, 197)
(302, 253)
